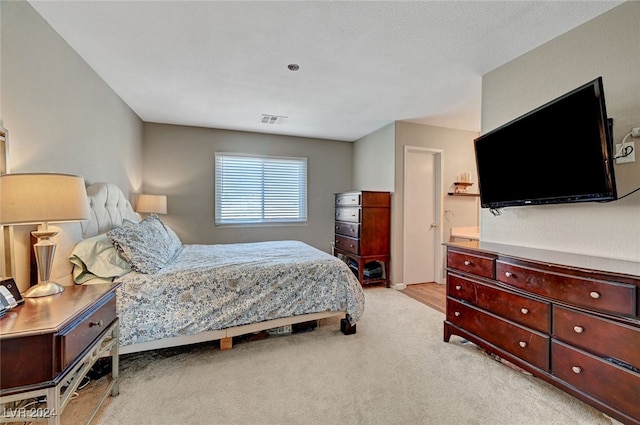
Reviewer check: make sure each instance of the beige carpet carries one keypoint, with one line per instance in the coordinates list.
(395, 370)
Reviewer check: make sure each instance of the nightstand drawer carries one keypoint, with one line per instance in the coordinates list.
(74, 340)
(347, 244)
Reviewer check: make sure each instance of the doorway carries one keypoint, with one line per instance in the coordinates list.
(422, 229)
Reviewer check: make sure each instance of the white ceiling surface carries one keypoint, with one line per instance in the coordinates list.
(222, 64)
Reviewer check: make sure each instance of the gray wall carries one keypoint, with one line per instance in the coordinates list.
(373, 160)
(606, 46)
(179, 162)
(61, 116)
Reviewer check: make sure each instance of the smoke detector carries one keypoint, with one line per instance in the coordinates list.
(272, 119)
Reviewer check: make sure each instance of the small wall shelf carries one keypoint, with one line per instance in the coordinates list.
(464, 194)
(461, 189)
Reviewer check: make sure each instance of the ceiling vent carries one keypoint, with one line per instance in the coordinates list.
(272, 119)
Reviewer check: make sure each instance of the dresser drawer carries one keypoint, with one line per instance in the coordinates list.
(348, 244)
(471, 263)
(599, 336)
(348, 229)
(348, 199)
(523, 310)
(461, 288)
(75, 339)
(349, 214)
(595, 294)
(526, 344)
(608, 382)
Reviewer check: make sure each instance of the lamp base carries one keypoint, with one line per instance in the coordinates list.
(43, 290)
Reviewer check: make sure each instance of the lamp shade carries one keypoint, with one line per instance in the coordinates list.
(42, 198)
(152, 204)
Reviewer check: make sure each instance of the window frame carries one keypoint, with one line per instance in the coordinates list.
(303, 215)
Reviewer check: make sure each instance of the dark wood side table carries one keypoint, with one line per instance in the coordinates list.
(48, 345)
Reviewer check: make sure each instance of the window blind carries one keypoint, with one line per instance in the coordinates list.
(260, 189)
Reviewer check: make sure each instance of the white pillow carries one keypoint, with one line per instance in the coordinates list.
(97, 257)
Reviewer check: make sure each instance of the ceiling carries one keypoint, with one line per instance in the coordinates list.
(222, 64)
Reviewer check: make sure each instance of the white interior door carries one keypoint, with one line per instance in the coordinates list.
(421, 218)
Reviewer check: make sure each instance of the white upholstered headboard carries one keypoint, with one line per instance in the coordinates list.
(109, 208)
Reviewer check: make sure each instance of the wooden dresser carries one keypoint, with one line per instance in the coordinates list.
(362, 229)
(571, 320)
(48, 345)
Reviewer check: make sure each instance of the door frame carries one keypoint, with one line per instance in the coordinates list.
(438, 159)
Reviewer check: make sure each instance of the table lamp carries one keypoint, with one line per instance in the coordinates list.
(43, 198)
(151, 204)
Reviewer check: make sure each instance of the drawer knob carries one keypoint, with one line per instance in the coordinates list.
(458, 287)
(457, 314)
(576, 369)
(522, 344)
(351, 245)
(467, 262)
(508, 274)
(524, 311)
(98, 323)
(595, 295)
(578, 329)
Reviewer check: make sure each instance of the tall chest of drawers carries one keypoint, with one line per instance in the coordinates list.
(362, 229)
(570, 320)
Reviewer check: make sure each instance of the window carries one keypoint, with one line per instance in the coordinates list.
(260, 189)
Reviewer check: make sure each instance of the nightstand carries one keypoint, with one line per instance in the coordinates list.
(48, 345)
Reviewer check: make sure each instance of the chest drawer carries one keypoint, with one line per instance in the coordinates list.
(471, 263)
(599, 295)
(608, 382)
(348, 229)
(597, 335)
(528, 345)
(347, 244)
(350, 214)
(348, 199)
(74, 340)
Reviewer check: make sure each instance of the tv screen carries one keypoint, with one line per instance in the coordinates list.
(560, 152)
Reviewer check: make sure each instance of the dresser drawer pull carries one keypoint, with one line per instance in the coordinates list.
(351, 245)
(595, 295)
(524, 310)
(457, 314)
(467, 262)
(508, 274)
(578, 329)
(458, 287)
(522, 344)
(98, 323)
(576, 369)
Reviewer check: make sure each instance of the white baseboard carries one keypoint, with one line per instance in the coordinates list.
(399, 286)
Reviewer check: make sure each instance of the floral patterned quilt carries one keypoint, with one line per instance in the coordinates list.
(213, 287)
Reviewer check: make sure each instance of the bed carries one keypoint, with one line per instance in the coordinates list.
(176, 294)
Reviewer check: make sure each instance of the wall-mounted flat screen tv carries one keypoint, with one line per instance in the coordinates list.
(560, 152)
